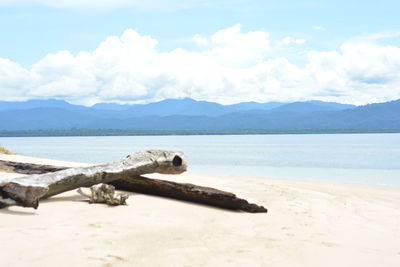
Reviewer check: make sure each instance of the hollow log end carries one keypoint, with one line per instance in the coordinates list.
(24, 195)
(176, 162)
(167, 162)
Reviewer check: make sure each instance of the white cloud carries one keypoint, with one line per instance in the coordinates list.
(319, 28)
(376, 37)
(232, 47)
(229, 66)
(290, 40)
(200, 40)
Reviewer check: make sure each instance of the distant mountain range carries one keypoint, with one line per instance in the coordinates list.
(189, 114)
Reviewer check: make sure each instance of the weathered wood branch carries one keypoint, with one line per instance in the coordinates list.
(21, 189)
(28, 168)
(104, 193)
(129, 182)
(15, 194)
(187, 192)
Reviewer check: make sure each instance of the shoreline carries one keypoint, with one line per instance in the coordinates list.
(129, 132)
(308, 224)
(348, 176)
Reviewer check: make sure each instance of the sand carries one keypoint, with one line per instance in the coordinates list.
(308, 224)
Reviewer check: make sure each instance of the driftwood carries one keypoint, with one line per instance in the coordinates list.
(132, 182)
(28, 168)
(27, 190)
(16, 194)
(187, 192)
(104, 193)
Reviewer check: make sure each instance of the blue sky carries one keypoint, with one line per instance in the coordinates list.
(346, 51)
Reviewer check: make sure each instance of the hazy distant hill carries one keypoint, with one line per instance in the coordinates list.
(30, 104)
(255, 106)
(189, 114)
(45, 118)
(186, 106)
(312, 106)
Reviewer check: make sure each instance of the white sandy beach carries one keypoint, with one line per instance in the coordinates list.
(308, 224)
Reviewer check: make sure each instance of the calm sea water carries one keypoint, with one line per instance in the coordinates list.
(353, 158)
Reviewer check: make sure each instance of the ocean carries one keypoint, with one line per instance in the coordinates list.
(349, 158)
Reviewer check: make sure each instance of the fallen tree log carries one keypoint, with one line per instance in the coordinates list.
(15, 194)
(28, 168)
(27, 190)
(187, 192)
(139, 184)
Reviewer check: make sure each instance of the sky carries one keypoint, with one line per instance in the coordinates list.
(136, 51)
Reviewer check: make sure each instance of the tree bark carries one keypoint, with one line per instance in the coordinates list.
(187, 192)
(28, 168)
(15, 194)
(27, 190)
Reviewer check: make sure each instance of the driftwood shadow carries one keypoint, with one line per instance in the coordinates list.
(9, 211)
(203, 205)
(76, 197)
